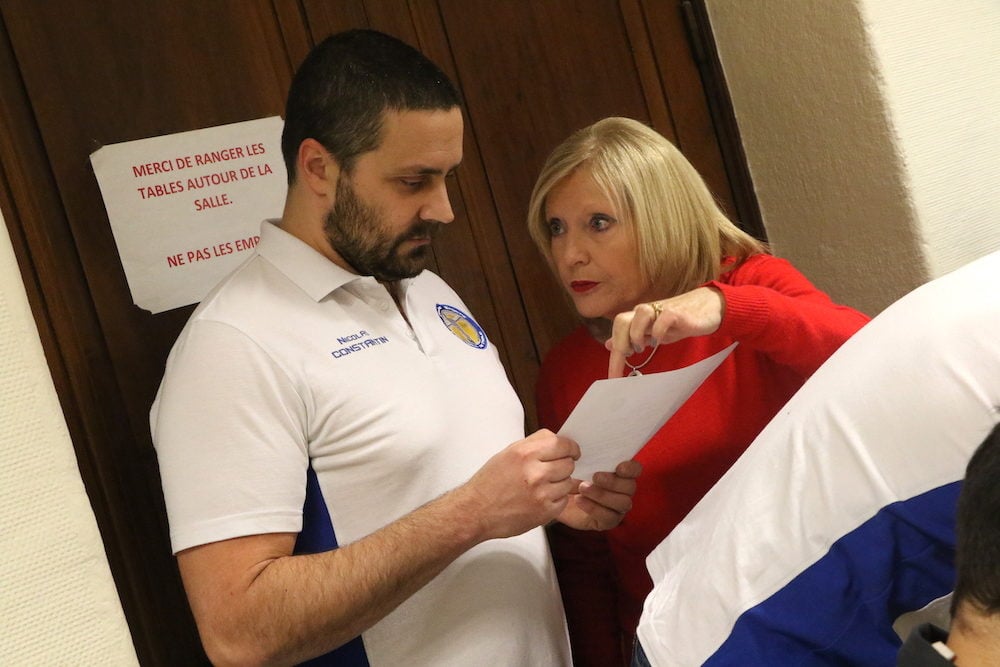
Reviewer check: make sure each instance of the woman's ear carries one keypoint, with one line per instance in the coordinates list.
(317, 169)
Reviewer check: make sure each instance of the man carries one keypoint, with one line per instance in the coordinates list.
(839, 517)
(334, 428)
(974, 638)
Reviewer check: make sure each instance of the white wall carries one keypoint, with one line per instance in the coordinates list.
(940, 65)
(871, 131)
(58, 603)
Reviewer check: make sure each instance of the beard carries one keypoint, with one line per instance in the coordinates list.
(357, 232)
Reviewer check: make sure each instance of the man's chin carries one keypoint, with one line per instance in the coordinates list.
(417, 259)
(403, 270)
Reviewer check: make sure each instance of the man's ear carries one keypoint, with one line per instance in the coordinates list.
(317, 169)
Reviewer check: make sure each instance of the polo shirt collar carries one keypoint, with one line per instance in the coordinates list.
(313, 273)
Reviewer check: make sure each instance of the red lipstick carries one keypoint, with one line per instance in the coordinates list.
(581, 286)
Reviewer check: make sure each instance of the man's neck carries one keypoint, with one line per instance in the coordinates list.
(304, 221)
(396, 292)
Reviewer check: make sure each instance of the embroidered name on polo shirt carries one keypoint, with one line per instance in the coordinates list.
(462, 326)
(357, 342)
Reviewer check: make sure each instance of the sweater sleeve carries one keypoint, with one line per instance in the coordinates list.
(774, 309)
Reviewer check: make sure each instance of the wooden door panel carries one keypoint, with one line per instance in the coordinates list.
(323, 17)
(531, 74)
(196, 66)
(693, 129)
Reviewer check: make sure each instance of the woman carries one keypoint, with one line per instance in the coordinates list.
(662, 279)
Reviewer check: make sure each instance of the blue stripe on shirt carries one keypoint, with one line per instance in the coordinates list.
(840, 610)
(318, 535)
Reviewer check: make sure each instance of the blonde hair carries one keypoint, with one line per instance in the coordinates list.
(681, 233)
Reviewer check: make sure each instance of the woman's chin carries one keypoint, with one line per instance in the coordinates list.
(594, 306)
(589, 313)
(593, 313)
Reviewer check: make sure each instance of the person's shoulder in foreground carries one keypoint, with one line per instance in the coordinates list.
(778, 561)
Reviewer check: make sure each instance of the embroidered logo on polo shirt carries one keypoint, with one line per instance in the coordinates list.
(356, 342)
(462, 326)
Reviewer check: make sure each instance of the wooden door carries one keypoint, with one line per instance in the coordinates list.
(78, 74)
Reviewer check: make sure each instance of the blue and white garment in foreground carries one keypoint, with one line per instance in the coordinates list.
(839, 517)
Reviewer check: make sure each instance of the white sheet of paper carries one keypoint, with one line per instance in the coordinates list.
(615, 418)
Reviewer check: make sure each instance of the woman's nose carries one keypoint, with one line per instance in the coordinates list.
(570, 250)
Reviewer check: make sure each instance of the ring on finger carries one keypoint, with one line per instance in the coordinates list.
(657, 309)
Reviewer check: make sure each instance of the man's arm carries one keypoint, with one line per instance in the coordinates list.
(255, 603)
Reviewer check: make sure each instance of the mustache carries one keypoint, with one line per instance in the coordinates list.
(422, 229)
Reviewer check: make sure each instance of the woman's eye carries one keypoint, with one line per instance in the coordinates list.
(600, 222)
(556, 227)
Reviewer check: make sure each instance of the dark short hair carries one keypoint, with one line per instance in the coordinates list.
(977, 529)
(346, 83)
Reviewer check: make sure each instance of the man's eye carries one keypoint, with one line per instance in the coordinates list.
(412, 182)
(556, 227)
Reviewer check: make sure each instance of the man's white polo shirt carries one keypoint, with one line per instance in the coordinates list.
(294, 372)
